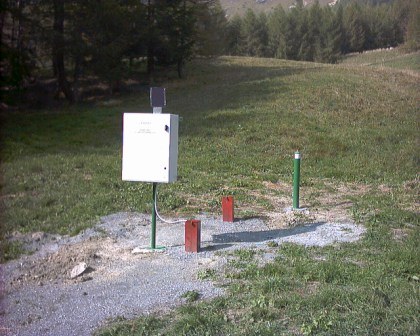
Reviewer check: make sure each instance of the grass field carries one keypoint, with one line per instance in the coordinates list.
(242, 120)
(386, 58)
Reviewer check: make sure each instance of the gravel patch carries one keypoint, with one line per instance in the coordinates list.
(40, 298)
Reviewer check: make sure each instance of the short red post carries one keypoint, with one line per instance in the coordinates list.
(227, 209)
(192, 235)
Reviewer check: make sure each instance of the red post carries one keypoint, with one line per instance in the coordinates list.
(192, 235)
(227, 209)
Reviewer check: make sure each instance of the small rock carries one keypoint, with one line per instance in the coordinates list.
(38, 236)
(78, 270)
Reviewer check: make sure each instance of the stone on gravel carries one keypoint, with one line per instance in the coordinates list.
(78, 270)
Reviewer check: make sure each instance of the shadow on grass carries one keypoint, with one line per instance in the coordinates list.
(214, 105)
(219, 87)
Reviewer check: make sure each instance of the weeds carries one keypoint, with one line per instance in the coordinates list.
(10, 250)
(191, 296)
(206, 274)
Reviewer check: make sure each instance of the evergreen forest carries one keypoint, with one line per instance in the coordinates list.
(112, 40)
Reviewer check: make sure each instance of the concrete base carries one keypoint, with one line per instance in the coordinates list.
(145, 250)
(291, 209)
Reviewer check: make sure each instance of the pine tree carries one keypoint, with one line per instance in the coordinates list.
(15, 51)
(276, 28)
(316, 22)
(292, 33)
(412, 35)
(333, 30)
(234, 42)
(175, 21)
(108, 35)
(255, 33)
(262, 32)
(306, 45)
(354, 27)
(211, 37)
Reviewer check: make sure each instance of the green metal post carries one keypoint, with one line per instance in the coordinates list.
(153, 233)
(296, 181)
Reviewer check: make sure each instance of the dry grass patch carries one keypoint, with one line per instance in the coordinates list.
(331, 203)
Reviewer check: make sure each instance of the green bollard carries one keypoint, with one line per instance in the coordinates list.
(153, 246)
(296, 180)
(153, 233)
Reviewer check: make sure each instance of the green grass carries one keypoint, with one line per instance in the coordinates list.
(242, 120)
(393, 58)
(10, 250)
(191, 296)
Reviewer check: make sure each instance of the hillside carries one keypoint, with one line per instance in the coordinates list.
(233, 7)
(245, 116)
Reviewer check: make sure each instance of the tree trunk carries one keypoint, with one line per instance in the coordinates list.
(180, 67)
(76, 76)
(150, 58)
(2, 19)
(58, 52)
(150, 42)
